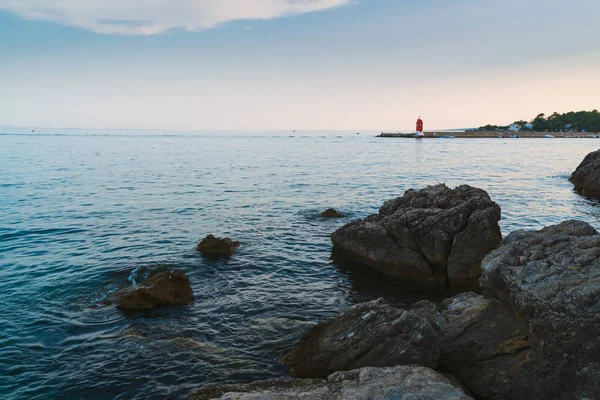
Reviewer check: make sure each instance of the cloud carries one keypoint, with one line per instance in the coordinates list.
(148, 17)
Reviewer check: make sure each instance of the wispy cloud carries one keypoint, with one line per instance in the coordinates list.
(148, 17)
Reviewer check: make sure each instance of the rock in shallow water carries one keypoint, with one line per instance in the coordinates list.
(211, 246)
(432, 236)
(401, 382)
(165, 288)
(331, 213)
(586, 177)
(550, 280)
(372, 334)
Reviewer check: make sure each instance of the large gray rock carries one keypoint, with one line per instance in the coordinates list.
(432, 236)
(483, 343)
(549, 280)
(372, 334)
(164, 288)
(402, 382)
(586, 177)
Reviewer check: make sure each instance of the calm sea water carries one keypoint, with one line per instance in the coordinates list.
(82, 215)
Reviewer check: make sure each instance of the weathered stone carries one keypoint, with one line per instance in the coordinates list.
(331, 213)
(432, 236)
(372, 334)
(550, 281)
(481, 339)
(165, 288)
(586, 177)
(401, 382)
(211, 246)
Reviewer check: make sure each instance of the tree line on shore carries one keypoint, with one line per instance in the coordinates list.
(571, 121)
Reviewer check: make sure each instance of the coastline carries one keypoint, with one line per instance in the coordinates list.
(491, 134)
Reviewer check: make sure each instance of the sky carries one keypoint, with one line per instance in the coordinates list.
(295, 64)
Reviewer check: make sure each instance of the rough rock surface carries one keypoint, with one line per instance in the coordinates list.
(401, 382)
(372, 334)
(432, 236)
(331, 213)
(550, 281)
(586, 177)
(165, 288)
(211, 246)
(481, 339)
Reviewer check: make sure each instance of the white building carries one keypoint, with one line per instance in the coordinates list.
(529, 125)
(514, 128)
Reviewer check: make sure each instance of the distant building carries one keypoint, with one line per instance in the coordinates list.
(529, 125)
(514, 128)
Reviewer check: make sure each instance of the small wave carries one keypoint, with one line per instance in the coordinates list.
(52, 232)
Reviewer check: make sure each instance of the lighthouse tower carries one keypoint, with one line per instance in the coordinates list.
(420, 127)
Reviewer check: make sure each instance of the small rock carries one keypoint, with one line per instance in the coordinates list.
(165, 288)
(331, 213)
(211, 246)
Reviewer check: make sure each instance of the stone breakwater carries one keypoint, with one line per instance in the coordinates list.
(491, 134)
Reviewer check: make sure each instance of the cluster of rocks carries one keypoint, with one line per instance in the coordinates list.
(534, 333)
(531, 330)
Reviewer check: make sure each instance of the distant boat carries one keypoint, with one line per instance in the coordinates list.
(514, 136)
(548, 136)
(447, 137)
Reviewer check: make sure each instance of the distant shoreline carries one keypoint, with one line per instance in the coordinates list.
(491, 134)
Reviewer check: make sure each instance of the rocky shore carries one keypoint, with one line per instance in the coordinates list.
(525, 323)
(529, 329)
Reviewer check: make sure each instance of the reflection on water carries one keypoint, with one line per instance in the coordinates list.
(85, 215)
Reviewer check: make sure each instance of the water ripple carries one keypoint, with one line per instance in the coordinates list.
(84, 216)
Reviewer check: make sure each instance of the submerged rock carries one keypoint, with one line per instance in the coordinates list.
(372, 334)
(165, 288)
(401, 382)
(586, 177)
(211, 246)
(331, 213)
(549, 281)
(432, 236)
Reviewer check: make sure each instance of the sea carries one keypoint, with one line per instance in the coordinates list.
(85, 213)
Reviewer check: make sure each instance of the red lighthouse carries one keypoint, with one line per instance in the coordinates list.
(420, 126)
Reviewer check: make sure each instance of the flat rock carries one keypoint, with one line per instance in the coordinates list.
(586, 177)
(372, 334)
(331, 213)
(550, 281)
(211, 246)
(165, 288)
(432, 236)
(401, 382)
